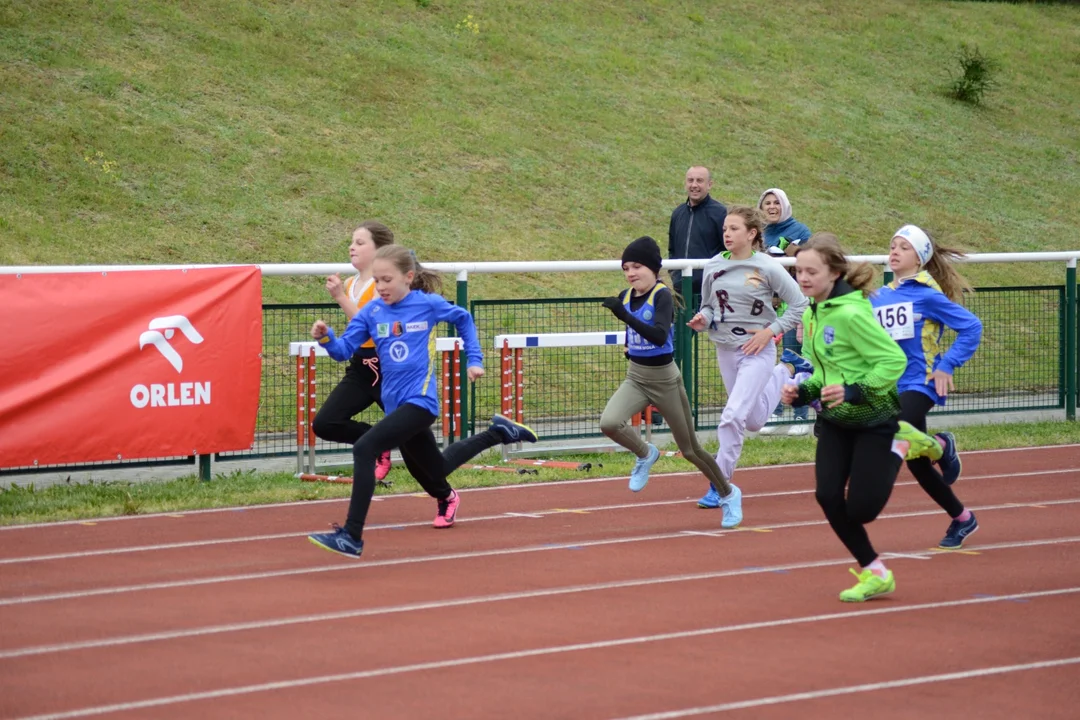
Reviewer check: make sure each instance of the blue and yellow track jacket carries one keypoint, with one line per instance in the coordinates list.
(916, 313)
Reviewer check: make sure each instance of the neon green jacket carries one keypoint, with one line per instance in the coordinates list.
(847, 346)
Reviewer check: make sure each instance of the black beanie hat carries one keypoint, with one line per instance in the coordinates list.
(644, 251)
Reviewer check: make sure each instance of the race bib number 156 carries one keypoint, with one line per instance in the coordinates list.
(898, 320)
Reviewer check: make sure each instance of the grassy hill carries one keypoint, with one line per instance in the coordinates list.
(231, 131)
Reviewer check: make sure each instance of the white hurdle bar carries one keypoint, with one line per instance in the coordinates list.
(510, 349)
(306, 354)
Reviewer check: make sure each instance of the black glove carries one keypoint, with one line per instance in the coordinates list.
(615, 305)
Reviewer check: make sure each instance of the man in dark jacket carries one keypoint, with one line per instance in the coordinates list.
(697, 226)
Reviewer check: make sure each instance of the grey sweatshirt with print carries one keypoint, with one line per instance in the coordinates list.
(736, 298)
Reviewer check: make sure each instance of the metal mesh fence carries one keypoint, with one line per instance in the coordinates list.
(1019, 364)
(565, 388)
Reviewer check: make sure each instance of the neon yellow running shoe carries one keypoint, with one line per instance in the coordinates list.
(919, 443)
(869, 585)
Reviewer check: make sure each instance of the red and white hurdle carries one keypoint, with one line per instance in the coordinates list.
(306, 354)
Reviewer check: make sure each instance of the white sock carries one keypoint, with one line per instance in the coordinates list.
(878, 567)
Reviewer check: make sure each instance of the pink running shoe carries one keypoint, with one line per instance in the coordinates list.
(447, 510)
(382, 466)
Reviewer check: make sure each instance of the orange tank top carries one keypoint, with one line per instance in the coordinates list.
(361, 295)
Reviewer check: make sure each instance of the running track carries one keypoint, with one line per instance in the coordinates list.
(569, 600)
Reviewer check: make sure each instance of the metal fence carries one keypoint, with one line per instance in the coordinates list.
(1021, 365)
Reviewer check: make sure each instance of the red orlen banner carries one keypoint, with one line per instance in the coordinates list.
(128, 364)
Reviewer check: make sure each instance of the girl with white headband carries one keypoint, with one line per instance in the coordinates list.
(915, 308)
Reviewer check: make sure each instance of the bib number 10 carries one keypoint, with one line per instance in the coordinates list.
(898, 320)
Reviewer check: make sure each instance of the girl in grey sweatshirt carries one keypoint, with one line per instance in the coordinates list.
(736, 308)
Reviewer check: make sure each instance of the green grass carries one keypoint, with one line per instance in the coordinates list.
(27, 504)
(231, 131)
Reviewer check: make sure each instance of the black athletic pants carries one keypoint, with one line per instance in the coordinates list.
(860, 461)
(914, 406)
(358, 390)
(408, 428)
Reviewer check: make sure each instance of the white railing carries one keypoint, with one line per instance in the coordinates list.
(462, 269)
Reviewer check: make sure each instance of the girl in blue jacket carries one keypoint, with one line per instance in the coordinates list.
(402, 322)
(915, 308)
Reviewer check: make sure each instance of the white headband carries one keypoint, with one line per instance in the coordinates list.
(919, 241)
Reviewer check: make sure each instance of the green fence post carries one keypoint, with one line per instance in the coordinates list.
(887, 277)
(686, 334)
(204, 467)
(1070, 340)
(463, 302)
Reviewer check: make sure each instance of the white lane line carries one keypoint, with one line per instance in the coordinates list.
(483, 599)
(359, 565)
(479, 518)
(853, 689)
(553, 483)
(538, 652)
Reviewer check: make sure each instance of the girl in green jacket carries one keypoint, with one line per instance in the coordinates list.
(860, 442)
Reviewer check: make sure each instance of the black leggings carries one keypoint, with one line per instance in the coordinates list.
(914, 407)
(409, 429)
(358, 390)
(862, 462)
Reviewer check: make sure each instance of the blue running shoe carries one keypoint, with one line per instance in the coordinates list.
(511, 431)
(950, 459)
(711, 500)
(957, 533)
(639, 476)
(798, 363)
(732, 508)
(339, 541)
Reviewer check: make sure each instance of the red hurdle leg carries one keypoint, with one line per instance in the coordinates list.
(311, 400)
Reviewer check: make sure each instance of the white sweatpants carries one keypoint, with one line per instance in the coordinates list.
(753, 385)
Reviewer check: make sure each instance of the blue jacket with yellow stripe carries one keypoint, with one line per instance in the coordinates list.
(916, 312)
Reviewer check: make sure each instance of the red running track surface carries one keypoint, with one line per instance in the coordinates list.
(568, 600)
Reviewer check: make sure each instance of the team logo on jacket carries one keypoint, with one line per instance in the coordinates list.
(829, 334)
(382, 330)
(647, 315)
(397, 329)
(399, 351)
(420, 326)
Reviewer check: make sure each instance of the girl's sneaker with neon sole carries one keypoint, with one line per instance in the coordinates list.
(870, 585)
(339, 541)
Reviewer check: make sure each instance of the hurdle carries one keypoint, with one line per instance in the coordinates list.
(306, 354)
(511, 348)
